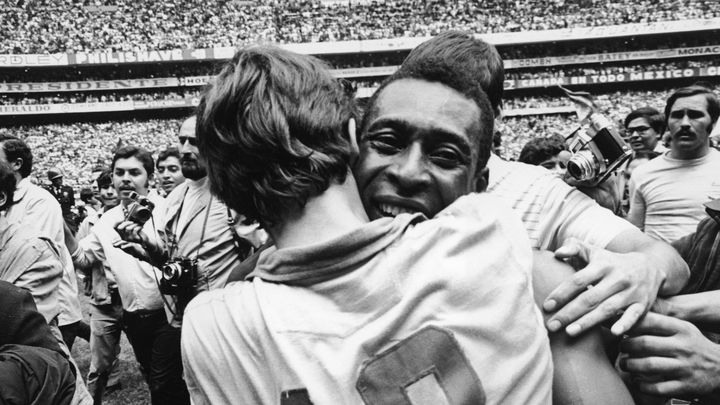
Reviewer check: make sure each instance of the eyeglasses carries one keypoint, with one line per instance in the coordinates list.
(639, 130)
(191, 140)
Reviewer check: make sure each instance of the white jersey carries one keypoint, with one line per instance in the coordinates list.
(401, 310)
(551, 210)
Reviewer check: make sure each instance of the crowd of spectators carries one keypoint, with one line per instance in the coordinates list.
(604, 69)
(41, 26)
(76, 148)
(94, 97)
(516, 130)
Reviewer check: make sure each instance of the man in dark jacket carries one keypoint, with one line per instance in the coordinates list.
(33, 369)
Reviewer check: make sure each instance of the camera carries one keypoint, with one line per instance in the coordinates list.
(597, 147)
(179, 276)
(139, 210)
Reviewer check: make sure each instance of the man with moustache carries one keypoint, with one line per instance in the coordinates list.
(196, 226)
(144, 319)
(667, 194)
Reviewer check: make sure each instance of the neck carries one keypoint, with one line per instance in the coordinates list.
(335, 212)
(690, 154)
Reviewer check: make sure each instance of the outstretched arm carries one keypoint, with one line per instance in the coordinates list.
(583, 374)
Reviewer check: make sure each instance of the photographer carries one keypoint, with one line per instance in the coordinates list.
(202, 240)
(144, 319)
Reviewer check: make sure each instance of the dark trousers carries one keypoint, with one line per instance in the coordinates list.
(76, 329)
(157, 348)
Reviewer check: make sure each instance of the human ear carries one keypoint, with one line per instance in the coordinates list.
(352, 135)
(481, 180)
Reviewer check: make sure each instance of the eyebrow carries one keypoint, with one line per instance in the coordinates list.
(438, 133)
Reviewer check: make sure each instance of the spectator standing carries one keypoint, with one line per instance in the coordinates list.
(64, 194)
(33, 367)
(144, 318)
(36, 208)
(199, 229)
(105, 307)
(28, 260)
(551, 153)
(644, 129)
(667, 194)
(169, 172)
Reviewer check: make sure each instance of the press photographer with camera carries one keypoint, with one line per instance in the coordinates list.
(201, 241)
(144, 318)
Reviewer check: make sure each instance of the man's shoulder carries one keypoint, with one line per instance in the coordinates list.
(511, 174)
(209, 307)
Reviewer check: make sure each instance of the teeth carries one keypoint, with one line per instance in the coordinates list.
(393, 210)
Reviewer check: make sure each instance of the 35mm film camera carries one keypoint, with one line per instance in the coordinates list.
(139, 210)
(597, 147)
(178, 276)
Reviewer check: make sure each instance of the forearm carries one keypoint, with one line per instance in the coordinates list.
(82, 259)
(657, 255)
(700, 307)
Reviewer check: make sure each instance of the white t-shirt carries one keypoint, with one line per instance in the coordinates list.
(667, 195)
(370, 313)
(551, 210)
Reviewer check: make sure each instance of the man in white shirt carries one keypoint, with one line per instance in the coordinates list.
(345, 310)
(144, 318)
(667, 194)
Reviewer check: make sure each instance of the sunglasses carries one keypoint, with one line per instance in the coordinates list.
(191, 140)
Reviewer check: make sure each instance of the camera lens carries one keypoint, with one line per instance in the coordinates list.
(171, 271)
(581, 166)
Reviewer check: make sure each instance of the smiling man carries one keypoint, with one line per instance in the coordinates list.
(626, 268)
(667, 193)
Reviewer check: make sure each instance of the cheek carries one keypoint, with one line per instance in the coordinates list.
(367, 168)
(453, 187)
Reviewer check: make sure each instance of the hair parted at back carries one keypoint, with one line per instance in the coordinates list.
(463, 51)
(713, 106)
(15, 148)
(655, 118)
(141, 154)
(443, 69)
(272, 129)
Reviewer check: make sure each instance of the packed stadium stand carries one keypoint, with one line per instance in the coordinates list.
(79, 77)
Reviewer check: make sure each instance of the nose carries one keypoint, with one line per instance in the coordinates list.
(185, 146)
(685, 122)
(409, 172)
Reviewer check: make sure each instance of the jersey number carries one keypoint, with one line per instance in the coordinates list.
(426, 368)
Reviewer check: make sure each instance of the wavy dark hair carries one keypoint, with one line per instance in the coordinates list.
(272, 129)
(538, 150)
(15, 148)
